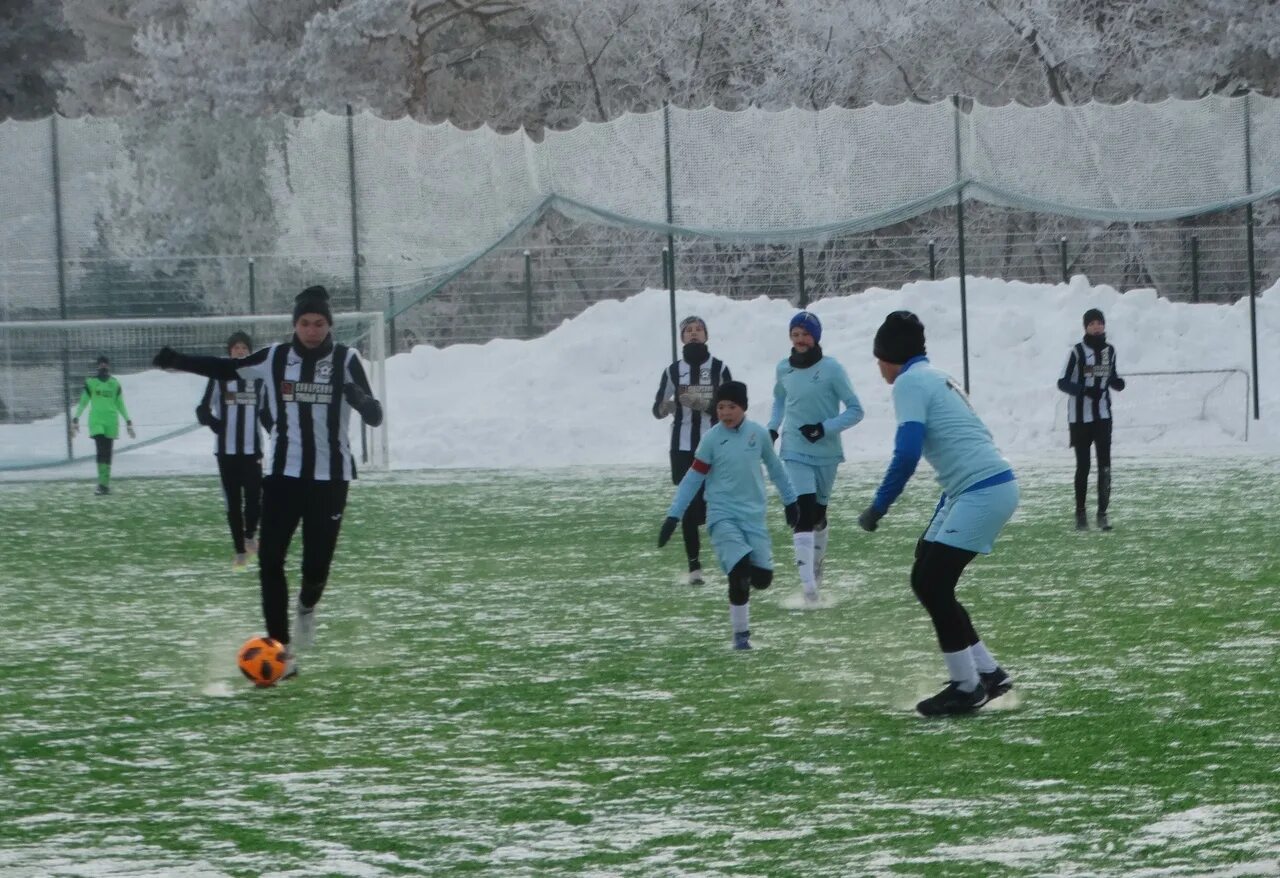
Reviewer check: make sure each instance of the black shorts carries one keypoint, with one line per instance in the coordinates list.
(1094, 432)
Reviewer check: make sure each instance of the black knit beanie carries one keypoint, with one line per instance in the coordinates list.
(732, 391)
(1094, 314)
(312, 300)
(899, 338)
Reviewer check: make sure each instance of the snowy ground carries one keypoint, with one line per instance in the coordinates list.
(581, 394)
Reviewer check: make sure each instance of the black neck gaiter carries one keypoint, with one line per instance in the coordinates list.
(807, 359)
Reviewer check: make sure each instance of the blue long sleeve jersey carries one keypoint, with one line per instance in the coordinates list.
(813, 396)
(728, 461)
(936, 420)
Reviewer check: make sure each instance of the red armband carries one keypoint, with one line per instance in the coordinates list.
(701, 466)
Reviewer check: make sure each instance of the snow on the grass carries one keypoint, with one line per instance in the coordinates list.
(582, 393)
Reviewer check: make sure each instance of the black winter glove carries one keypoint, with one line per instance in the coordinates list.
(1117, 382)
(1093, 392)
(216, 426)
(869, 520)
(668, 528)
(792, 512)
(813, 432)
(167, 358)
(773, 435)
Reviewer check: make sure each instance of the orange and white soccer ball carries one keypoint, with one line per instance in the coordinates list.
(263, 660)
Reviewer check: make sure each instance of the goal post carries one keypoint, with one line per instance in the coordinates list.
(43, 366)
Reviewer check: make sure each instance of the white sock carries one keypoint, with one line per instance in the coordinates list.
(961, 668)
(740, 617)
(983, 660)
(820, 546)
(804, 559)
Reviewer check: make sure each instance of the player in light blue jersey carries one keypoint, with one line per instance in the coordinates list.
(808, 391)
(936, 420)
(728, 461)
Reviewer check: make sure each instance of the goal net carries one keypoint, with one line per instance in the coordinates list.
(43, 366)
(1189, 407)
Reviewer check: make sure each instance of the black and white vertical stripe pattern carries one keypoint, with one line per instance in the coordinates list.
(689, 424)
(1089, 368)
(236, 404)
(307, 409)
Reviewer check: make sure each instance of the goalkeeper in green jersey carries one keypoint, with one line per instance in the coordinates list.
(104, 398)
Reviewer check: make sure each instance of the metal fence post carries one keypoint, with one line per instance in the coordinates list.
(59, 243)
(1195, 268)
(391, 309)
(1062, 254)
(671, 209)
(528, 294)
(253, 300)
(933, 260)
(804, 294)
(355, 218)
(669, 272)
(964, 298)
(1253, 271)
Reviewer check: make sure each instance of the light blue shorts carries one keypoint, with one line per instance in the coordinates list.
(812, 478)
(974, 519)
(734, 540)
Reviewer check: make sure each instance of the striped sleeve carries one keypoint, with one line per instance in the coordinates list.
(1066, 383)
(666, 390)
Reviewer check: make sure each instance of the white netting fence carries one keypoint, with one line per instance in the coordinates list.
(404, 205)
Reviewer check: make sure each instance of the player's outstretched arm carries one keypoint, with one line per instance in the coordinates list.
(222, 368)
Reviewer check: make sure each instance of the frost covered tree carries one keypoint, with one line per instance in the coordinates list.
(35, 43)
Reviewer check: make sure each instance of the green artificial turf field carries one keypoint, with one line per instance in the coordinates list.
(511, 679)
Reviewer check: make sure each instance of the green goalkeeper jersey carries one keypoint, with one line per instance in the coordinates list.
(105, 401)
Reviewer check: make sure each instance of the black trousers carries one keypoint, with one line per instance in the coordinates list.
(696, 515)
(102, 446)
(1098, 434)
(286, 502)
(933, 579)
(241, 476)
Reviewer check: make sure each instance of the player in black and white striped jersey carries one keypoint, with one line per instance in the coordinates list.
(687, 392)
(1088, 379)
(234, 410)
(312, 386)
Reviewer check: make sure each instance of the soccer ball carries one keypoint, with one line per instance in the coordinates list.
(262, 660)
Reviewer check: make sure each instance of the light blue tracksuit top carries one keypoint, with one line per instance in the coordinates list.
(729, 462)
(813, 396)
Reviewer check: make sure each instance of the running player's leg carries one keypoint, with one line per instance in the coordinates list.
(102, 445)
(1102, 439)
(694, 517)
(962, 527)
(321, 523)
(283, 500)
(251, 479)
(733, 550)
(825, 483)
(229, 473)
(1081, 437)
(804, 478)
